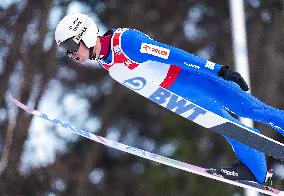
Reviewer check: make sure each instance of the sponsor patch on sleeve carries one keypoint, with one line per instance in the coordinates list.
(210, 65)
(155, 50)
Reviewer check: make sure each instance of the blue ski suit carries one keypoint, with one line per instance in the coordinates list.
(194, 79)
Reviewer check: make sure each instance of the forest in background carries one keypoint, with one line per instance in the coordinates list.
(34, 70)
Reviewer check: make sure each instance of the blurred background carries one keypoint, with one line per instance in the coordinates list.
(37, 158)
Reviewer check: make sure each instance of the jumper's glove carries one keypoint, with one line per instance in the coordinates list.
(236, 77)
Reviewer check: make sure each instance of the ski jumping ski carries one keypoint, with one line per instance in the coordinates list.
(214, 122)
(145, 154)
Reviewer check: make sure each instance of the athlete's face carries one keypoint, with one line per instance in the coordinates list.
(81, 55)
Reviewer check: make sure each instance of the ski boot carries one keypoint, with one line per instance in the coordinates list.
(240, 173)
(236, 172)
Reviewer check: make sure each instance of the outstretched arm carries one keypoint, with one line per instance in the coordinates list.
(141, 48)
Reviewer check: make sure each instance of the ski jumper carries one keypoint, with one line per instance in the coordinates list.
(143, 64)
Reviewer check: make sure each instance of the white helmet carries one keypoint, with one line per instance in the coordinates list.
(73, 28)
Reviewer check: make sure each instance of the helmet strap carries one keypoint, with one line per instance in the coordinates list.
(91, 54)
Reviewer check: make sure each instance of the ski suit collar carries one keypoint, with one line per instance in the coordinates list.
(105, 44)
(118, 56)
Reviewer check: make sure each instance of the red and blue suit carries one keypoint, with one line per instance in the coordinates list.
(143, 65)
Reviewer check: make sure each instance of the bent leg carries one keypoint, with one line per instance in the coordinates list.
(253, 159)
(190, 87)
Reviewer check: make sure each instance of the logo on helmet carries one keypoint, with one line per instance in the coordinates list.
(76, 24)
(81, 33)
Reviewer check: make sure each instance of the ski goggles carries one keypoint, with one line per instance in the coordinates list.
(70, 46)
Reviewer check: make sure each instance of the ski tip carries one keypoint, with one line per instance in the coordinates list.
(21, 105)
